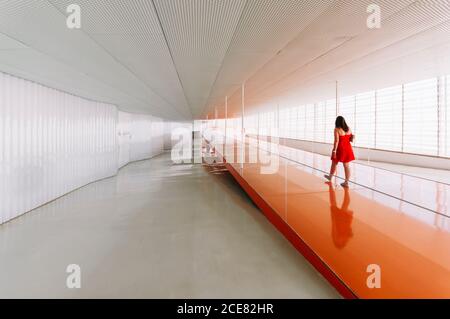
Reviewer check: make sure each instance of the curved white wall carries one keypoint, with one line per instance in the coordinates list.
(52, 143)
(157, 136)
(139, 137)
(123, 138)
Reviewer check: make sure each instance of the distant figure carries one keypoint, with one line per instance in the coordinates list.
(342, 149)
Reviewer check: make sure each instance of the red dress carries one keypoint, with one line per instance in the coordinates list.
(344, 152)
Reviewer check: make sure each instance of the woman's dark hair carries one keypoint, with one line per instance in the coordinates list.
(340, 123)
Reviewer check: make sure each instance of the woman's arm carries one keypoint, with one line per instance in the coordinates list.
(336, 142)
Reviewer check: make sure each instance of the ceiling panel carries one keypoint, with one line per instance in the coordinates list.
(130, 32)
(265, 28)
(333, 48)
(402, 27)
(340, 24)
(7, 43)
(199, 33)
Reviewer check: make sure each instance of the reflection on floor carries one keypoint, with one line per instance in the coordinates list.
(156, 230)
(428, 194)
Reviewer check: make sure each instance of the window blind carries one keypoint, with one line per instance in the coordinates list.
(420, 120)
(292, 122)
(330, 119)
(446, 118)
(364, 127)
(347, 110)
(389, 119)
(284, 118)
(309, 122)
(301, 123)
(320, 122)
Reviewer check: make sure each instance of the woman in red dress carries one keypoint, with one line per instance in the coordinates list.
(342, 149)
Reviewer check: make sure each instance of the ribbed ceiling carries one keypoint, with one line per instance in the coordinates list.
(199, 33)
(178, 59)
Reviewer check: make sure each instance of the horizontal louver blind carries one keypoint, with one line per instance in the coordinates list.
(421, 117)
(389, 119)
(364, 127)
(284, 117)
(347, 110)
(309, 122)
(292, 122)
(446, 117)
(320, 122)
(301, 123)
(330, 118)
(404, 118)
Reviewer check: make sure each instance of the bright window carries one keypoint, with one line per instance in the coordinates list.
(301, 122)
(404, 118)
(251, 124)
(421, 117)
(292, 122)
(319, 125)
(271, 125)
(261, 121)
(265, 123)
(330, 119)
(309, 122)
(347, 110)
(364, 127)
(284, 118)
(389, 119)
(446, 118)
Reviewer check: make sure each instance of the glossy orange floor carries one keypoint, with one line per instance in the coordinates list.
(348, 230)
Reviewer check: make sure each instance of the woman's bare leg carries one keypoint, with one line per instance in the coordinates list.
(347, 174)
(332, 170)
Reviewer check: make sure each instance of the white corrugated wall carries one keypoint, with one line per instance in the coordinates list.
(52, 143)
(139, 137)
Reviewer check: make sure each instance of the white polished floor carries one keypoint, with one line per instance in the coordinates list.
(156, 230)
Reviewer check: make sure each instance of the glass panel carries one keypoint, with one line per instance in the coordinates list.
(347, 110)
(320, 122)
(301, 123)
(284, 118)
(251, 124)
(292, 122)
(421, 117)
(364, 128)
(309, 122)
(330, 117)
(447, 118)
(389, 119)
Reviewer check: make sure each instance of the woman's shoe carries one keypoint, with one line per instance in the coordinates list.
(345, 184)
(328, 177)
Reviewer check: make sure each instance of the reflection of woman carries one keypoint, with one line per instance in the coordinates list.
(342, 150)
(341, 219)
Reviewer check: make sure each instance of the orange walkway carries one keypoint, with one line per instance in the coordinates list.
(342, 232)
